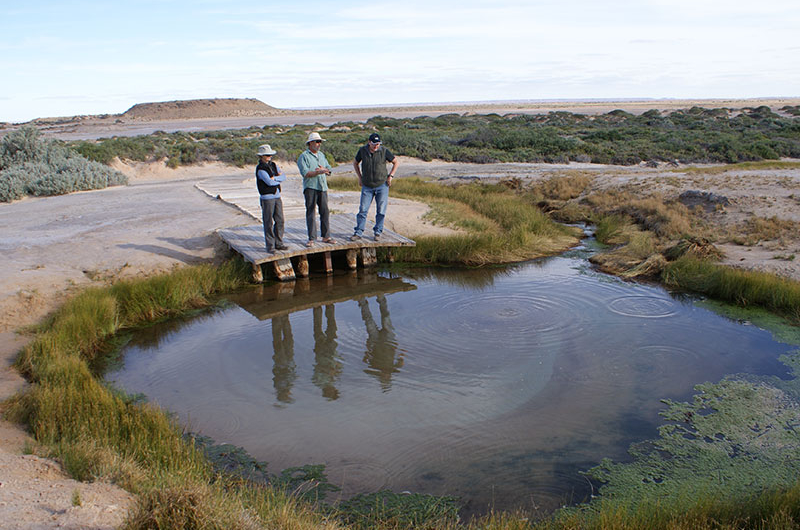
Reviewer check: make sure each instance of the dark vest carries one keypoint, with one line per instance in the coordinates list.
(272, 171)
(373, 167)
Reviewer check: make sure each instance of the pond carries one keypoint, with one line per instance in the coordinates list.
(498, 386)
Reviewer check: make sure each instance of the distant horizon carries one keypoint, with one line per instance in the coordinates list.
(80, 59)
(424, 104)
(524, 101)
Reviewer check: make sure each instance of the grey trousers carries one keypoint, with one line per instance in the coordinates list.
(272, 216)
(316, 198)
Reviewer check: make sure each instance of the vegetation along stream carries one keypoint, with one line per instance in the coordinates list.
(499, 386)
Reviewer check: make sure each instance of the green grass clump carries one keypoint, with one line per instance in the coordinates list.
(741, 287)
(609, 229)
(503, 226)
(32, 166)
(386, 509)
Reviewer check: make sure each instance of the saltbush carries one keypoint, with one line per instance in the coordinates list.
(30, 165)
(695, 135)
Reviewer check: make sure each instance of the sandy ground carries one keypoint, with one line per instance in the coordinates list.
(51, 247)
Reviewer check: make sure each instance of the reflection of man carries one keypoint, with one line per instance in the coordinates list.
(283, 369)
(327, 365)
(381, 344)
(370, 166)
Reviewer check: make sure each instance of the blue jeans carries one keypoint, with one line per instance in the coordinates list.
(381, 196)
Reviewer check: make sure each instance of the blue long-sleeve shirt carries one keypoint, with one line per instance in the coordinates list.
(271, 181)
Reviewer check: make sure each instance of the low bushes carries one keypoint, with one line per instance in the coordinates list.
(692, 135)
(32, 166)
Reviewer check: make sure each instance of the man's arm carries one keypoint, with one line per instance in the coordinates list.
(357, 168)
(304, 164)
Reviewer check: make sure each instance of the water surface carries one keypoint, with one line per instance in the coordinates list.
(498, 386)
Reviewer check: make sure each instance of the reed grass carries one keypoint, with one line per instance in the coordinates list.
(501, 226)
(609, 229)
(741, 287)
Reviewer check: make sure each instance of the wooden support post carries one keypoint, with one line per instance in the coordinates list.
(327, 262)
(258, 276)
(284, 270)
(352, 258)
(368, 258)
(302, 266)
(390, 254)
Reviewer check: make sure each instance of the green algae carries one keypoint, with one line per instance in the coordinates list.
(782, 329)
(735, 439)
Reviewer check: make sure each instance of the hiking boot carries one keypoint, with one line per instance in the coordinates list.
(355, 237)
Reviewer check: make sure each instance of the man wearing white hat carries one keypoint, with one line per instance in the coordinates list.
(268, 179)
(314, 168)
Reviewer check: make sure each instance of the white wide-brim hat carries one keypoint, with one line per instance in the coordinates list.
(314, 136)
(265, 150)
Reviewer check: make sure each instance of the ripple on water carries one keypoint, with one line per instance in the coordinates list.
(643, 306)
(514, 321)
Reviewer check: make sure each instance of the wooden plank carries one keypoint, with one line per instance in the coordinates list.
(249, 240)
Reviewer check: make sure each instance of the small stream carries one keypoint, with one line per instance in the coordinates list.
(495, 385)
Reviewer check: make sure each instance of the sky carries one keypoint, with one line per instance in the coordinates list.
(65, 58)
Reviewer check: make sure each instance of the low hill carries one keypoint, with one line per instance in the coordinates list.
(199, 108)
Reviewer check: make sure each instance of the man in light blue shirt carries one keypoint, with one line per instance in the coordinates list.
(314, 168)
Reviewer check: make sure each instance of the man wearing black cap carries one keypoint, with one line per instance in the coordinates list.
(370, 166)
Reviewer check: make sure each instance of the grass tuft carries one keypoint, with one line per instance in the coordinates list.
(498, 225)
(744, 288)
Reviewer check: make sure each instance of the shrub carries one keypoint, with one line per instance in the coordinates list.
(32, 166)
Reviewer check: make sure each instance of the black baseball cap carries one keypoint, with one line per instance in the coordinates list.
(375, 138)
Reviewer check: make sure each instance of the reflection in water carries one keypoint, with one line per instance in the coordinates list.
(381, 344)
(283, 368)
(498, 387)
(327, 365)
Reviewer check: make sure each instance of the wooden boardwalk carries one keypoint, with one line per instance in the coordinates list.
(293, 262)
